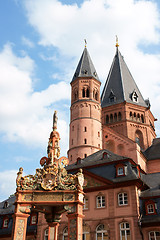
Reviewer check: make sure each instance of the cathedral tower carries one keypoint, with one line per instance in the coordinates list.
(85, 117)
(123, 108)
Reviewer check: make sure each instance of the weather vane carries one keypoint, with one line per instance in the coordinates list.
(85, 42)
(117, 45)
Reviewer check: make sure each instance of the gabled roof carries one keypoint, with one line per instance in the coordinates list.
(121, 83)
(153, 152)
(85, 67)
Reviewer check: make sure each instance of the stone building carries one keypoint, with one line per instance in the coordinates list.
(113, 140)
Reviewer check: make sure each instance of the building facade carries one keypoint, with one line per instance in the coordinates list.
(113, 140)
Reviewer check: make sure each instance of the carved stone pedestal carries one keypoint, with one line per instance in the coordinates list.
(20, 226)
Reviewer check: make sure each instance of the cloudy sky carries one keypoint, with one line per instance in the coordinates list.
(40, 46)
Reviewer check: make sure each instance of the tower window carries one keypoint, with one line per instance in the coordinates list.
(85, 129)
(87, 93)
(115, 117)
(119, 116)
(72, 141)
(112, 97)
(96, 96)
(85, 141)
(72, 128)
(98, 134)
(107, 119)
(142, 119)
(83, 92)
(134, 96)
(111, 118)
(131, 116)
(85, 155)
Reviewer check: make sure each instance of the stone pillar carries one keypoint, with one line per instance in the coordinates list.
(75, 224)
(53, 231)
(19, 226)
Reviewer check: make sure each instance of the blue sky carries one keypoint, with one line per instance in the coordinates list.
(40, 46)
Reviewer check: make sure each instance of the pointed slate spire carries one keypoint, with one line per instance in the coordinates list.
(85, 67)
(121, 83)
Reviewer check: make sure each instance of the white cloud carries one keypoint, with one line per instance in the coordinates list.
(26, 115)
(8, 183)
(27, 42)
(135, 22)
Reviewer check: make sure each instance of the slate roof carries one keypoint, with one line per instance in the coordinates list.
(95, 161)
(153, 152)
(85, 67)
(10, 208)
(120, 84)
(8, 211)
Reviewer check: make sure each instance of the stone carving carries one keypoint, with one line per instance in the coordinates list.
(50, 177)
(20, 230)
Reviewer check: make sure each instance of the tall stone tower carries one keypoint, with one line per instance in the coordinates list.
(85, 117)
(123, 108)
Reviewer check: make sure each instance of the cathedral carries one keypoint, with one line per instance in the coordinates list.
(113, 140)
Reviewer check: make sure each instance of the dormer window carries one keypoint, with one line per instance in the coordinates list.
(150, 207)
(5, 222)
(134, 96)
(120, 170)
(112, 97)
(105, 155)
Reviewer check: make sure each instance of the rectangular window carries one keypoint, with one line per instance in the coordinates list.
(122, 199)
(100, 201)
(85, 201)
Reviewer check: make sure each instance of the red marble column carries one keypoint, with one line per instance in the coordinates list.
(19, 226)
(53, 231)
(75, 226)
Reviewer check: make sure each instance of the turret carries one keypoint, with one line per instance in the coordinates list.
(85, 120)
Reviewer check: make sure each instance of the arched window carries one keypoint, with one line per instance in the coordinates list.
(85, 141)
(96, 96)
(138, 117)
(134, 116)
(142, 118)
(86, 233)
(65, 234)
(111, 118)
(101, 232)
(107, 119)
(46, 234)
(87, 92)
(125, 233)
(85, 129)
(139, 138)
(119, 116)
(83, 92)
(131, 116)
(98, 134)
(154, 235)
(115, 117)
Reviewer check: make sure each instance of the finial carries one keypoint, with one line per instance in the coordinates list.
(85, 42)
(55, 118)
(117, 45)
